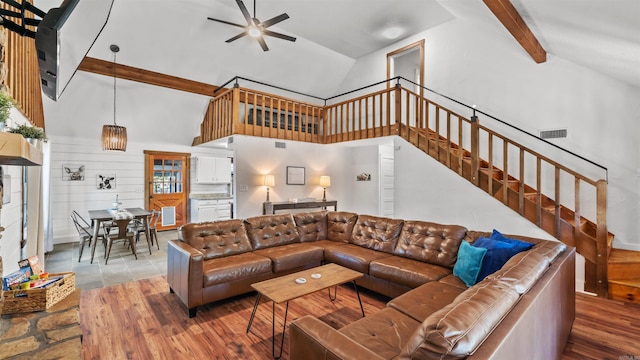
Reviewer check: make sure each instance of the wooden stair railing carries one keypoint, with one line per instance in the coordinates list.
(512, 173)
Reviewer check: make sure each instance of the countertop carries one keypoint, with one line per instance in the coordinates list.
(210, 196)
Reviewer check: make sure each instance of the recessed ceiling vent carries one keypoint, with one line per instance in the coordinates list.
(553, 134)
(280, 145)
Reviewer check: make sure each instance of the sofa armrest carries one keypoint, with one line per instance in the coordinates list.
(311, 339)
(185, 272)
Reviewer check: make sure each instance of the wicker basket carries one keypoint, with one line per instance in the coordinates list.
(24, 301)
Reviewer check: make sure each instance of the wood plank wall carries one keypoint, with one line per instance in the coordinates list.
(22, 73)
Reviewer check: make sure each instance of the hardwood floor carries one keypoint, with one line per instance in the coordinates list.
(142, 320)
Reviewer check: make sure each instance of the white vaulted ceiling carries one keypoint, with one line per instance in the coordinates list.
(175, 38)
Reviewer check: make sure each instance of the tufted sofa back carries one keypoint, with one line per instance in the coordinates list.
(271, 230)
(312, 226)
(430, 242)
(216, 239)
(376, 233)
(340, 225)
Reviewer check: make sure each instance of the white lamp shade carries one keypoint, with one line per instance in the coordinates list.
(269, 180)
(325, 181)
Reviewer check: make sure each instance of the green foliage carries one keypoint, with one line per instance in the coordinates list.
(5, 106)
(28, 132)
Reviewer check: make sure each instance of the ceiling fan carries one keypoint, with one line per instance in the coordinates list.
(255, 28)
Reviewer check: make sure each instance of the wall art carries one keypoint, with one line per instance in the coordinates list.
(106, 182)
(72, 172)
(363, 177)
(295, 175)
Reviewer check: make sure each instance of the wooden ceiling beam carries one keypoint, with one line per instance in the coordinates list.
(511, 19)
(103, 67)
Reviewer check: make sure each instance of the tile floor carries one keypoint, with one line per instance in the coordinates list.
(122, 267)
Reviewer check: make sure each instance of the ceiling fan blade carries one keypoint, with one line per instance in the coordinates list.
(245, 12)
(228, 23)
(278, 35)
(265, 24)
(242, 34)
(263, 44)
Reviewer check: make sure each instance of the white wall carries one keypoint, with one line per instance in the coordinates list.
(480, 64)
(128, 167)
(11, 213)
(256, 157)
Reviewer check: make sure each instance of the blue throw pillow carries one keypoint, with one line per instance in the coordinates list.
(518, 244)
(498, 253)
(469, 261)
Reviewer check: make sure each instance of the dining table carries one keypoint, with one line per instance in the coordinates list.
(99, 216)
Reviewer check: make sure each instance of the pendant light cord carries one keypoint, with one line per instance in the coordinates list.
(114, 87)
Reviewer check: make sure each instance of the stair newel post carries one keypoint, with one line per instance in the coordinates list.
(235, 108)
(398, 108)
(475, 149)
(602, 245)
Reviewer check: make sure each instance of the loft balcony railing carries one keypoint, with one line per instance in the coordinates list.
(567, 203)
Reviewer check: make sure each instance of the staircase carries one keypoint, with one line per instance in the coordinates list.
(547, 193)
(624, 275)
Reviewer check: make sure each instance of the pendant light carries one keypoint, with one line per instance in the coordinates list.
(114, 137)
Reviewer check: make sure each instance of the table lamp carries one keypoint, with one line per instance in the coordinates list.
(269, 181)
(325, 182)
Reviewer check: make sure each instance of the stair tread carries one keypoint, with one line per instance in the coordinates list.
(626, 282)
(624, 256)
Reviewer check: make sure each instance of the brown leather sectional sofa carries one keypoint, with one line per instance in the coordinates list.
(525, 309)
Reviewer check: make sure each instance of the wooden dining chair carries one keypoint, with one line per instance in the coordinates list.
(123, 234)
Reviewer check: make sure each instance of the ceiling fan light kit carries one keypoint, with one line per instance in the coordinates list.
(255, 28)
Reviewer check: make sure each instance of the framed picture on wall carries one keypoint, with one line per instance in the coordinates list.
(106, 182)
(295, 175)
(72, 172)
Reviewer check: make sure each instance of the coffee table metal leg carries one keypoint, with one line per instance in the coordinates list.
(358, 293)
(335, 292)
(253, 313)
(273, 329)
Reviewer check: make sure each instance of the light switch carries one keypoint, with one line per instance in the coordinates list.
(243, 188)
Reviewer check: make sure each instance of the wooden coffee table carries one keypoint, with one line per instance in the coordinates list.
(285, 288)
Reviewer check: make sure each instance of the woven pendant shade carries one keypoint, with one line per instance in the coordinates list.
(114, 137)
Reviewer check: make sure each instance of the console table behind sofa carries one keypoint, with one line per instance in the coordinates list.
(271, 207)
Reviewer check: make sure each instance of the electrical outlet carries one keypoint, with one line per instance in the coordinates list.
(243, 188)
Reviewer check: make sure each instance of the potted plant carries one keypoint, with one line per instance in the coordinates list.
(29, 132)
(6, 103)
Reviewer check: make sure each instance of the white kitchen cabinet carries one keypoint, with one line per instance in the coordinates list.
(210, 210)
(213, 170)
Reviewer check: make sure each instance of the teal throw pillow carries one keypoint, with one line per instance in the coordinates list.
(469, 263)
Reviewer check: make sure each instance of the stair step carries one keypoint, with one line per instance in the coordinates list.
(623, 264)
(625, 290)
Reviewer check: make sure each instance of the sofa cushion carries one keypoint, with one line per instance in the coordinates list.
(498, 253)
(217, 239)
(287, 257)
(456, 330)
(523, 270)
(340, 225)
(469, 262)
(311, 226)
(236, 267)
(430, 242)
(454, 281)
(353, 257)
(407, 272)
(271, 230)
(377, 233)
(424, 300)
(385, 332)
